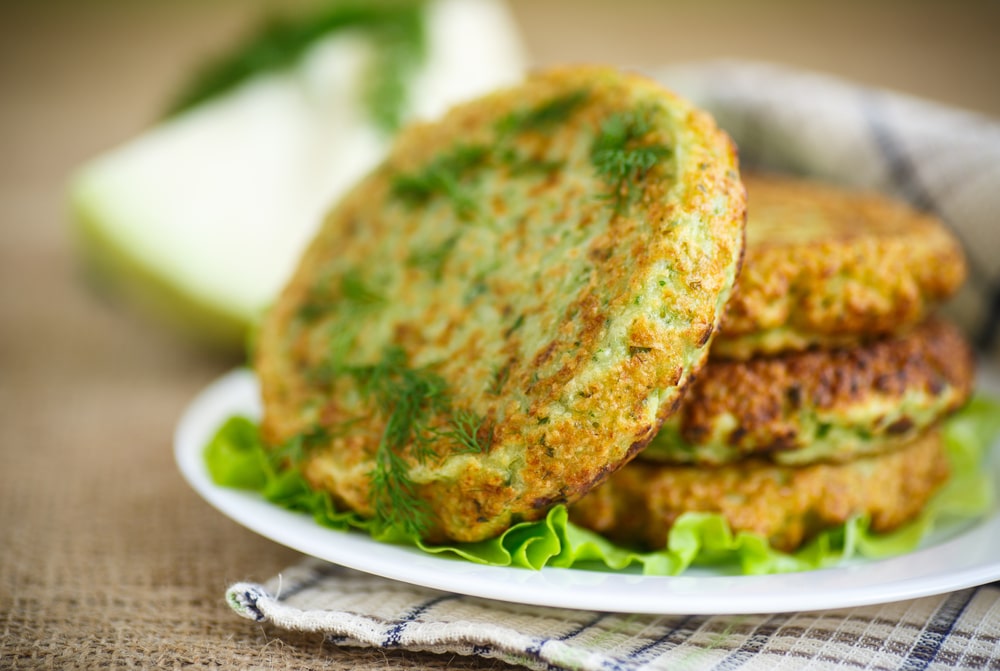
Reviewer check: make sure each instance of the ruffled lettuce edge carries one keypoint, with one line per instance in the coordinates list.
(236, 457)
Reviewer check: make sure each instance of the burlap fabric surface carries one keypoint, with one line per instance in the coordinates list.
(108, 559)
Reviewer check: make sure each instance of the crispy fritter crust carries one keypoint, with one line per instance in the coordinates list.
(824, 405)
(825, 264)
(786, 505)
(565, 330)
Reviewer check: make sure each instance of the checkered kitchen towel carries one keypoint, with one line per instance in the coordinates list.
(940, 159)
(957, 630)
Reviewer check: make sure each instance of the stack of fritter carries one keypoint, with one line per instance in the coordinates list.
(499, 317)
(826, 383)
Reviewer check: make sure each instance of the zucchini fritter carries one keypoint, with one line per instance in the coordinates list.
(825, 265)
(787, 505)
(505, 310)
(822, 405)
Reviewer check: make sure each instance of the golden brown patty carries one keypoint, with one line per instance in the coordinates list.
(786, 505)
(825, 265)
(507, 308)
(824, 405)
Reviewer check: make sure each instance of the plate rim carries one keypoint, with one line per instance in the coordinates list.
(236, 392)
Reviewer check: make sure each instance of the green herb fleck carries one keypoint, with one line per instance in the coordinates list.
(294, 450)
(313, 307)
(621, 158)
(518, 323)
(353, 295)
(544, 116)
(355, 291)
(451, 175)
(397, 29)
(519, 165)
(500, 377)
(470, 431)
(345, 307)
(432, 259)
(448, 175)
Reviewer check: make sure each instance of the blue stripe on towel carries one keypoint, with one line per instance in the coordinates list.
(395, 633)
(316, 575)
(932, 638)
(904, 176)
(670, 636)
(755, 642)
(902, 170)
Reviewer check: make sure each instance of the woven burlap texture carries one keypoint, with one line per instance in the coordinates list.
(108, 560)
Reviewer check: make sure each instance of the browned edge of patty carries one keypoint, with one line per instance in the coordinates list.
(773, 404)
(785, 505)
(829, 261)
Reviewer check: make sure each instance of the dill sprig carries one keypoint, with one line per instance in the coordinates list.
(432, 259)
(294, 450)
(544, 116)
(412, 402)
(355, 290)
(447, 175)
(620, 156)
(400, 49)
(540, 118)
(394, 494)
(353, 294)
(452, 173)
(469, 431)
(396, 28)
(408, 399)
(498, 379)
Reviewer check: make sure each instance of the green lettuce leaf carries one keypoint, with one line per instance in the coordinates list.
(236, 457)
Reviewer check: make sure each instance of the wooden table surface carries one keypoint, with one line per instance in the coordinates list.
(108, 558)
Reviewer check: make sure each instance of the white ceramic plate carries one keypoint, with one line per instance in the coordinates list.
(953, 560)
